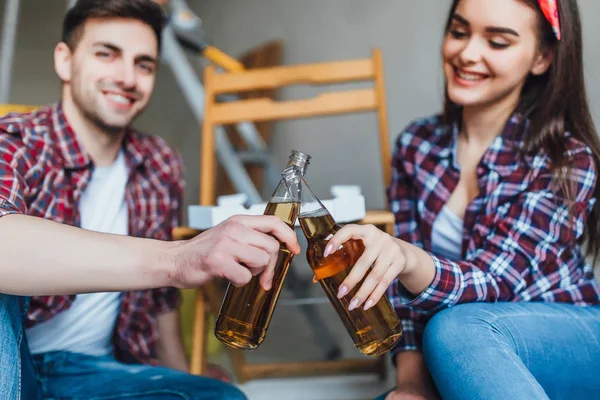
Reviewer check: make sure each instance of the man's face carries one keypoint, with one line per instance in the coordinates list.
(112, 71)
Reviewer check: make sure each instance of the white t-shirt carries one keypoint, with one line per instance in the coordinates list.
(87, 326)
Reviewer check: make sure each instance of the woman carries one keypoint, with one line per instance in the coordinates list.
(495, 200)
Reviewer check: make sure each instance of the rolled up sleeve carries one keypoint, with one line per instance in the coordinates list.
(13, 167)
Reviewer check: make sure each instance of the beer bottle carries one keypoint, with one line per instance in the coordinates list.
(374, 331)
(246, 311)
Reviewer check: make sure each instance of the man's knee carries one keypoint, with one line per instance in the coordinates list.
(10, 313)
(10, 331)
(201, 388)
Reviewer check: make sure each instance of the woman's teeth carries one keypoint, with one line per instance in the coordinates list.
(469, 76)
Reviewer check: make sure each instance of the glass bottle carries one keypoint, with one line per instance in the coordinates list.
(246, 311)
(374, 331)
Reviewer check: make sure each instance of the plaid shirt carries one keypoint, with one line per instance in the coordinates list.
(44, 171)
(518, 243)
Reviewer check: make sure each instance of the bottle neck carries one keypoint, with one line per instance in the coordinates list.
(288, 190)
(300, 160)
(318, 224)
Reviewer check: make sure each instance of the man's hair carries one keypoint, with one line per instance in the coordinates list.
(146, 11)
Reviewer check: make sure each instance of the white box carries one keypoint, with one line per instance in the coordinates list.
(347, 205)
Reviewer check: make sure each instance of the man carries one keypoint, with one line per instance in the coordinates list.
(87, 205)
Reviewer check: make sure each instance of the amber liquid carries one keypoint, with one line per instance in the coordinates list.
(246, 311)
(374, 331)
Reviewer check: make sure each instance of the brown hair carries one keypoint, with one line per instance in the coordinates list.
(146, 11)
(554, 103)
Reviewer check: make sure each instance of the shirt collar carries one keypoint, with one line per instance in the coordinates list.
(71, 149)
(501, 156)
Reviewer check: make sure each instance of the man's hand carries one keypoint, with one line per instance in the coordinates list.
(237, 249)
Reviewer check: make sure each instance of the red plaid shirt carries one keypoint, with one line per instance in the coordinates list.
(517, 244)
(43, 172)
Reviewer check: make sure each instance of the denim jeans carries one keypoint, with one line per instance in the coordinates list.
(17, 377)
(515, 351)
(78, 376)
(61, 375)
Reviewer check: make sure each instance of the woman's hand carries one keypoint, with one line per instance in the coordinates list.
(384, 259)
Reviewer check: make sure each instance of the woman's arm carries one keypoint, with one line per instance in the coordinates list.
(524, 245)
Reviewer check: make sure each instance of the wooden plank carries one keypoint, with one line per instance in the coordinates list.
(184, 232)
(17, 108)
(382, 118)
(312, 368)
(198, 358)
(378, 217)
(331, 103)
(381, 218)
(275, 77)
(208, 162)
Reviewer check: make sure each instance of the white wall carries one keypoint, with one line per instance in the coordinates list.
(344, 150)
(408, 32)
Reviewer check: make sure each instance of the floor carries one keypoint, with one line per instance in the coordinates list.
(307, 333)
(324, 388)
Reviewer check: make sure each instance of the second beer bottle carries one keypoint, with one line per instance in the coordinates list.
(374, 331)
(246, 311)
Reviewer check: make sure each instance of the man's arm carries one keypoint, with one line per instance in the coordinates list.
(41, 257)
(171, 352)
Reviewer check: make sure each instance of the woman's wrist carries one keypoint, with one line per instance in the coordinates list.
(419, 270)
(410, 255)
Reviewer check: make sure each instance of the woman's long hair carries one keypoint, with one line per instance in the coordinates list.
(555, 103)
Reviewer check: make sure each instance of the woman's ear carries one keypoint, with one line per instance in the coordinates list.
(542, 62)
(62, 61)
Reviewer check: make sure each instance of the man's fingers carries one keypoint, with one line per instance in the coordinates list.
(264, 242)
(235, 273)
(252, 257)
(242, 234)
(273, 225)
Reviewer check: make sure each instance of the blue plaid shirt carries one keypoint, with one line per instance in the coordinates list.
(518, 244)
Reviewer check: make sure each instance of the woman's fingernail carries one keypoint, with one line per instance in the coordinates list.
(368, 304)
(328, 249)
(342, 292)
(353, 304)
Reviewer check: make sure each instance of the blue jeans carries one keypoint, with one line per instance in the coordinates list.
(78, 376)
(515, 351)
(61, 375)
(17, 377)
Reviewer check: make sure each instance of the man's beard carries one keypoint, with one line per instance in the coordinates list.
(98, 121)
(92, 112)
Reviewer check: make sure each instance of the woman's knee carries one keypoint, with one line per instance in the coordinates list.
(448, 330)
